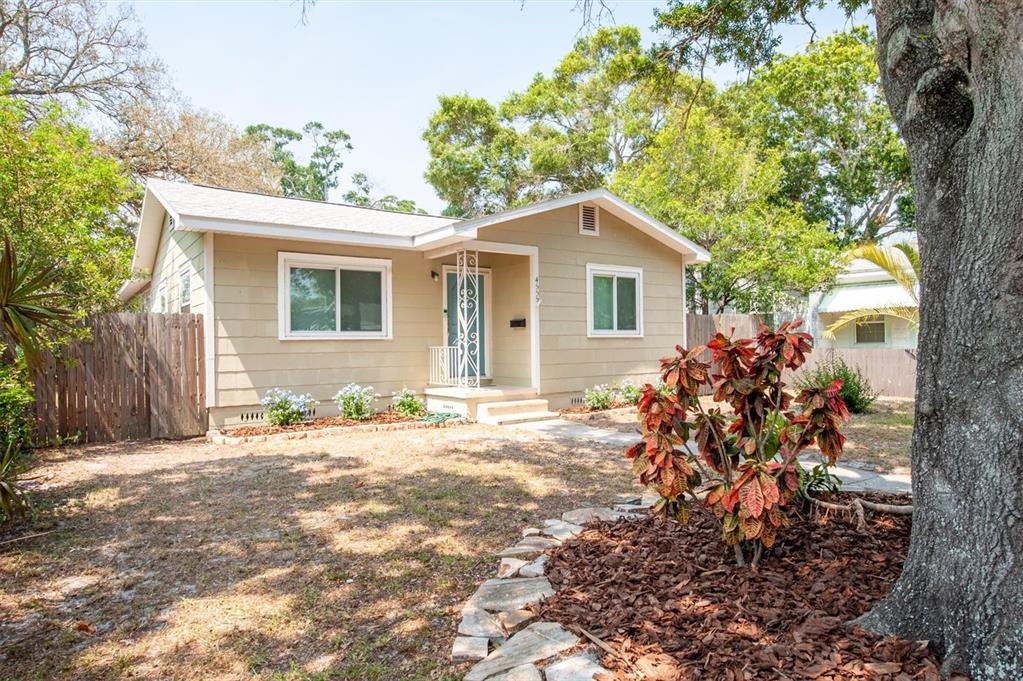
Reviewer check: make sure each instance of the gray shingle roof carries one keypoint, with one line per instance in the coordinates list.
(197, 201)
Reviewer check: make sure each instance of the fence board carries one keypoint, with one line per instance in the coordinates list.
(138, 376)
(891, 371)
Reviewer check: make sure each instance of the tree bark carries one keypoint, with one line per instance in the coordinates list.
(953, 76)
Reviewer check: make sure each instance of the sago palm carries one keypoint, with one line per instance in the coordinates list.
(902, 263)
(28, 304)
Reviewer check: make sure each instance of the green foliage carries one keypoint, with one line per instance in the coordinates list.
(14, 501)
(823, 111)
(857, 393)
(59, 199)
(15, 400)
(356, 402)
(28, 304)
(361, 194)
(407, 403)
(312, 180)
(599, 397)
(285, 408)
(817, 481)
(628, 392)
(719, 189)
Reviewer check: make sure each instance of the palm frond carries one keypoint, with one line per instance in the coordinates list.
(894, 262)
(912, 254)
(28, 306)
(910, 314)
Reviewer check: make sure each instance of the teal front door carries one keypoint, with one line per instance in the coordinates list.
(479, 306)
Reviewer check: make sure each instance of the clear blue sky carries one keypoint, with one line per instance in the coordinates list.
(374, 69)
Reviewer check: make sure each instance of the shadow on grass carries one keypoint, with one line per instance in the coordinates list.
(336, 557)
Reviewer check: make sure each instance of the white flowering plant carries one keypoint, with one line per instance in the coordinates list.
(285, 408)
(407, 403)
(356, 402)
(599, 397)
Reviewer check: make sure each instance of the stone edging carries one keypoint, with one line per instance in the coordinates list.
(218, 437)
(496, 614)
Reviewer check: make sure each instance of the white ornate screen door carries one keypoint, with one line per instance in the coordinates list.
(469, 331)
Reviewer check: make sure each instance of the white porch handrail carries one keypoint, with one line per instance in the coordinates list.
(444, 365)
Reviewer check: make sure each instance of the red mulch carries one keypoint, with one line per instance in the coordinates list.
(325, 422)
(672, 602)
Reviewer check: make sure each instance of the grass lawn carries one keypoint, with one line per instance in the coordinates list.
(342, 557)
(878, 439)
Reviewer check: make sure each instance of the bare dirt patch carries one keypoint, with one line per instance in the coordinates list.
(339, 556)
(671, 603)
(880, 439)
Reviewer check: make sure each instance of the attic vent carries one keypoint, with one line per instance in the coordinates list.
(589, 220)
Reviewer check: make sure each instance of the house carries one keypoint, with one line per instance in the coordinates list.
(524, 308)
(863, 285)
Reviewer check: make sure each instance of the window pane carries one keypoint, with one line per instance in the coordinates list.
(603, 303)
(626, 304)
(870, 332)
(361, 301)
(313, 297)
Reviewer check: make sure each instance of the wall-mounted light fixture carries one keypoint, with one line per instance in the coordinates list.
(434, 276)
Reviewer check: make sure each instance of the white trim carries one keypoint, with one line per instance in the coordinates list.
(286, 260)
(596, 219)
(209, 320)
(595, 269)
(685, 307)
(191, 223)
(488, 307)
(534, 321)
(185, 274)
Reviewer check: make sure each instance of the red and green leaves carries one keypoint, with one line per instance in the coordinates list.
(685, 373)
(748, 455)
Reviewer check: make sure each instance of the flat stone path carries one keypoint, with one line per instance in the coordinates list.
(853, 478)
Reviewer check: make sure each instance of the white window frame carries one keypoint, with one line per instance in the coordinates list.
(285, 261)
(162, 303)
(596, 219)
(887, 334)
(184, 275)
(595, 269)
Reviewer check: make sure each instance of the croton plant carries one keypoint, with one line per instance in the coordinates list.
(746, 460)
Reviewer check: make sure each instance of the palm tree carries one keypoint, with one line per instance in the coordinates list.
(27, 305)
(902, 263)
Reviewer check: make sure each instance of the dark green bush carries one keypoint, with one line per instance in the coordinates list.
(15, 400)
(857, 392)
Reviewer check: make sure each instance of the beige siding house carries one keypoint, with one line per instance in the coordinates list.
(529, 306)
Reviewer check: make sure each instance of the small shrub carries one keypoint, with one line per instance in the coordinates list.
(746, 461)
(285, 408)
(14, 501)
(15, 400)
(407, 404)
(857, 393)
(356, 402)
(628, 392)
(599, 397)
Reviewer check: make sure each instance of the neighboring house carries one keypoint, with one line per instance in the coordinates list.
(862, 286)
(544, 300)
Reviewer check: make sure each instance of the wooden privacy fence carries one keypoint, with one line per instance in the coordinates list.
(891, 371)
(139, 376)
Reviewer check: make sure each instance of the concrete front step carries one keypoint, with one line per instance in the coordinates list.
(514, 411)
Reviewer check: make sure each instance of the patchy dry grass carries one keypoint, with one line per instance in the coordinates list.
(340, 557)
(878, 440)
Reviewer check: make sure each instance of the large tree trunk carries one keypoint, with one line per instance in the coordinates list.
(953, 76)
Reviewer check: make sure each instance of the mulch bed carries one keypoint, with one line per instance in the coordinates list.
(672, 603)
(587, 410)
(316, 424)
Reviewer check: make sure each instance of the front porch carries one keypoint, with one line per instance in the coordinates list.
(487, 365)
